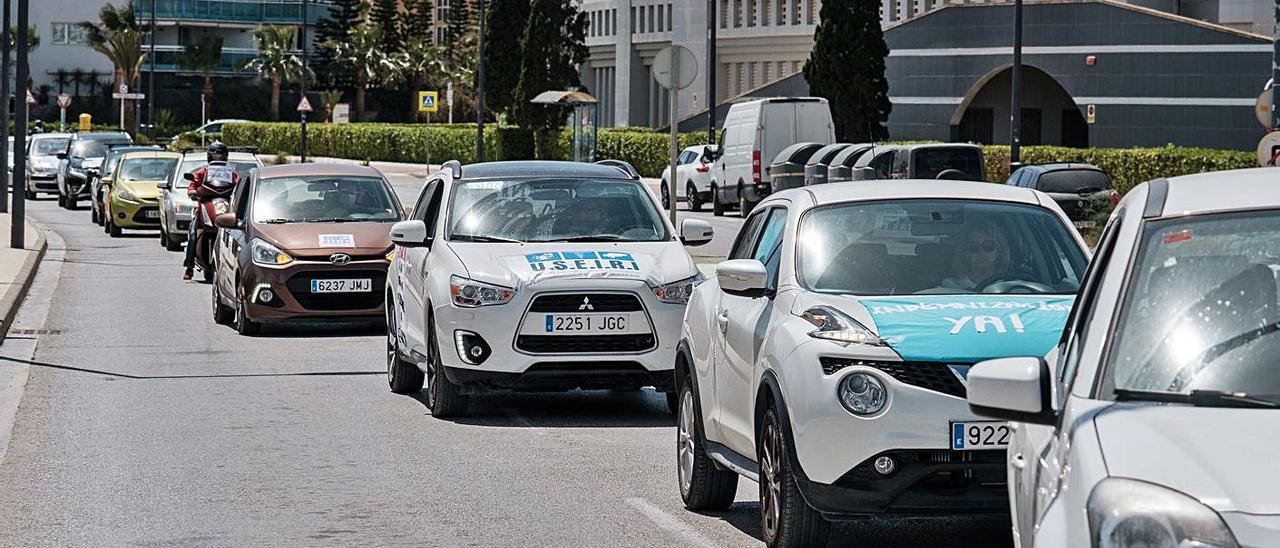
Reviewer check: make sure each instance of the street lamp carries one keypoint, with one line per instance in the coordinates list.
(1015, 108)
(4, 121)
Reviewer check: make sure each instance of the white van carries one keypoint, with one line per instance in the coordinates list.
(754, 133)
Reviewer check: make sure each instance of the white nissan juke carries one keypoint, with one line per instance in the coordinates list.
(535, 276)
(827, 360)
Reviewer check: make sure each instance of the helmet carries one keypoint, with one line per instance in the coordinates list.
(218, 152)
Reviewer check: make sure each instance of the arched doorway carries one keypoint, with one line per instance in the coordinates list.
(1049, 115)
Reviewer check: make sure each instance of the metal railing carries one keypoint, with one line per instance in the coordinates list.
(235, 11)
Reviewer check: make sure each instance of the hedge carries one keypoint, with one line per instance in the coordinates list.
(648, 151)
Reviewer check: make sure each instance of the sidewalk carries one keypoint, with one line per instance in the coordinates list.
(17, 269)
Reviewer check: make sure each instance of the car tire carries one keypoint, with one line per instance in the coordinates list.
(666, 196)
(744, 205)
(73, 203)
(29, 194)
(786, 520)
(717, 208)
(172, 244)
(242, 323)
(403, 377)
(444, 399)
(703, 486)
(692, 197)
(62, 200)
(222, 314)
(94, 217)
(112, 229)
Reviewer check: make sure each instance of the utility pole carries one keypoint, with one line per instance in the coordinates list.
(4, 121)
(480, 89)
(712, 25)
(1015, 108)
(18, 232)
(151, 76)
(303, 140)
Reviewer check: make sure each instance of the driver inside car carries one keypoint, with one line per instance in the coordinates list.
(983, 255)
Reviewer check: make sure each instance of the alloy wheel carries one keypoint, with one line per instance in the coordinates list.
(771, 481)
(393, 351)
(685, 442)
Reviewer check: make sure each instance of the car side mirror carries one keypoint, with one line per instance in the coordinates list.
(695, 232)
(92, 172)
(412, 233)
(1015, 389)
(62, 156)
(862, 174)
(189, 176)
(743, 278)
(226, 220)
(164, 186)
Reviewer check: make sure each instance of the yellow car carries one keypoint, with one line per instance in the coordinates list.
(131, 198)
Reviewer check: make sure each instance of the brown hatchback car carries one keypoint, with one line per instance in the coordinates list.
(304, 241)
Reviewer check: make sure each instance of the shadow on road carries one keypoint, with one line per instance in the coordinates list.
(924, 532)
(575, 409)
(322, 329)
(116, 375)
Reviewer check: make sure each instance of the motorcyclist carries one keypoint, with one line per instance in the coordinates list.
(217, 167)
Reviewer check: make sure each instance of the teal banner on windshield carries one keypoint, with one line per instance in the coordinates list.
(969, 328)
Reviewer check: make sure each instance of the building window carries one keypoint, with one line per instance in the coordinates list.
(669, 9)
(69, 34)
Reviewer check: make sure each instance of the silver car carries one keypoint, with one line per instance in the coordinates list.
(176, 207)
(42, 162)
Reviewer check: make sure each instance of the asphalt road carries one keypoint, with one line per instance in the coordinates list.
(144, 422)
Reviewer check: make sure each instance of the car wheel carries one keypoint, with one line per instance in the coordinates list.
(62, 200)
(112, 229)
(744, 205)
(222, 314)
(29, 194)
(207, 274)
(243, 324)
(444, 399)
(172, 244)
(93, 215)
(666, 196)
(402, 376)
(785, 518)
(717, 208)
(703, 486)
(72, 203)
(691, 197)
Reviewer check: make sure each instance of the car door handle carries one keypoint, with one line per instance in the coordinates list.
(723, 319)
(1018, 461)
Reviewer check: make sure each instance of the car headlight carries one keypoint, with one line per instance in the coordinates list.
(837, 326)
(861, 393)
(1126, 513)
(124, 194)
(472, 294)
(266, 254)
(677, 292)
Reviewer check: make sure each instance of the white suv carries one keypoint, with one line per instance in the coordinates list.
(535, 275)
(827, 360)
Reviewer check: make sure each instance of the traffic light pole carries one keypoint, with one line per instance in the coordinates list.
(480, 89)
(303, 138)
(151, 78)
(18, 232)
(4, 120)
(1015, 107)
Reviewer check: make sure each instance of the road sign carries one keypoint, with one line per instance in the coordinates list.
(1269, 149)
(31, 99)
(129, 96)
(1263, 109)
(428, 101)
(64, 101)
(304, 105)
(678, 60)
(124, 88)
(342, 113)
(1091, 113)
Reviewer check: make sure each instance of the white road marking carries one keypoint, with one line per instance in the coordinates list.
(669, 523)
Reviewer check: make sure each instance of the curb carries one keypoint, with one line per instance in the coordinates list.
(12, 298)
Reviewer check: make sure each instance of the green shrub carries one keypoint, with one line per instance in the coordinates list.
(1128, 167)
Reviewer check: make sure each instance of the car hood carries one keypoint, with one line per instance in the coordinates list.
(319, 240)
(522, 265)
(145, 190)
(966, 328)
(1223, 457)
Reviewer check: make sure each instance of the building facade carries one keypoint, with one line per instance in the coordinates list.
(64, 53)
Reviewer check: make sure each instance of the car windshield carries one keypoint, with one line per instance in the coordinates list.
(49, 147)
(948, 247)
(554, 210)
(1201, 309)
(930, 161)
(145, 169)
(93, 149)
(323, 198)
(1072, 181)
(241, 167)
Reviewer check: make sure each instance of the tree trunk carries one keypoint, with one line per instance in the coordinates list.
(275, 99)
(414, 86)
(360, 80)
(208, 93)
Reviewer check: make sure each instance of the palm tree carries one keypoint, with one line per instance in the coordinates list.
(77, 78)
(276, 60)
(119, 36)
(204, 57)
(33, 38)
(62, 78)
(419, 63)
(362, 54)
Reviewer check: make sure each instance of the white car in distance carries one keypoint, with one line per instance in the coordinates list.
(693, 177)
(1155, 421)
(827, 358)
(536, 276)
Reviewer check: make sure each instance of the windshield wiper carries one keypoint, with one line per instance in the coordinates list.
(332, 220)
(277, 221)
(483, 238)
(1198, 398)
(592, 238)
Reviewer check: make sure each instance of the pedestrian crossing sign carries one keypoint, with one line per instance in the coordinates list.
(428, 101)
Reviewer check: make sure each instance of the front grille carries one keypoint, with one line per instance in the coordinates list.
(928, 375)
(586, 302)
(585, 344)
(968, 469)
(141, 216)
(300, 287)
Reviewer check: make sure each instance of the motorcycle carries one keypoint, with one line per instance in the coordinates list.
(213, 197)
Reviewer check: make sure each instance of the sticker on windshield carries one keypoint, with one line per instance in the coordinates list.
(337, 240)
(581, 260)
(969, 328)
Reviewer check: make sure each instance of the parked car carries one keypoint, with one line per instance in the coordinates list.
(535, 276)
(100, 177)
(42, 162)
(693, 167)
(130, 198)
(304, 241)
(84, 151)
(827, 359)
(1081, 190)
(176, 207)
(754, 133)
(950, 161)
(1153, 421)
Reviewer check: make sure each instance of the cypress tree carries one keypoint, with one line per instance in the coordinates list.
(418, 20)
(460, 26)
(504, 26)
(553, 45)
(386, 14)
(847, 67)
(343, 16)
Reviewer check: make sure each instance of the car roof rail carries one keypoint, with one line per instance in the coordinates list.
(623, 166)
(454, 168)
